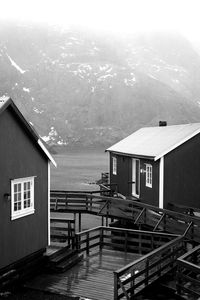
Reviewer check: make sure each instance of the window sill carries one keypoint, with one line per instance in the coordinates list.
(22, 214)
(149, 186)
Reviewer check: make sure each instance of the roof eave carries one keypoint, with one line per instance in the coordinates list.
(47, 152)
(178, 144)
(132, 154)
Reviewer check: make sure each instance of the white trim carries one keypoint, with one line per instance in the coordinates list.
(114, 165)
(149, 175)
(109, 172)
(177, 144)
(161, 182)
(47, 152)
(49, 237)
(24, 214)
(23, 211)
(134, 176)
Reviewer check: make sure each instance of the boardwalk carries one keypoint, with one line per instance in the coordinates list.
(92, 278)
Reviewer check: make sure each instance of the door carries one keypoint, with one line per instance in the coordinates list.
(135, 177)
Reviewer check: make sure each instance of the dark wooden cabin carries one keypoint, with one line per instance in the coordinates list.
(159, 165)
(24, 188)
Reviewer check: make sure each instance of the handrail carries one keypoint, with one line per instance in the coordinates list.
(172, 235)
(184, 256)
(147, 268)
(130, 202)
(122, 209)
(149, 255)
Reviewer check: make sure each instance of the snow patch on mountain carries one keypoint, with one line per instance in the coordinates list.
(15, 65)
(37, 111)
(27, 90)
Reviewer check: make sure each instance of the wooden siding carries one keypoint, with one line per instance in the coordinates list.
(21, 157)
(123, 178)
(182, 174)
(149, 195)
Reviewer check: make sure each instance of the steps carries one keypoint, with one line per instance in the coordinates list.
(63, 259)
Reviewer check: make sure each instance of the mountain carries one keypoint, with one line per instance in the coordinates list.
(84, 89)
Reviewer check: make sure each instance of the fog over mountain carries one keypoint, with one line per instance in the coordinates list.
(79, 88)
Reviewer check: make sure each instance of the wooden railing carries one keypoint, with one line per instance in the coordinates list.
(188, 274)
(136, 241)
(62, 230)
(133, 278)
(158, 251)
(139, 213)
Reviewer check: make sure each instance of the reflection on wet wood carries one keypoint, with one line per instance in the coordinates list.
(92, 278)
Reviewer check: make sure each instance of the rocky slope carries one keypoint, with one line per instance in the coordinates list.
(83, 89)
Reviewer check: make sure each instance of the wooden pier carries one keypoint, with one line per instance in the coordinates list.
(92, 278)
(118, 263)
(140, 214)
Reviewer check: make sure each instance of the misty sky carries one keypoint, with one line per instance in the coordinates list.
(118, 16)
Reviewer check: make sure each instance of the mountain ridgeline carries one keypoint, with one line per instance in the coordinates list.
(84, 89)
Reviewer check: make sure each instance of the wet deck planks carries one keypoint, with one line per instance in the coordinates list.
(92, 278)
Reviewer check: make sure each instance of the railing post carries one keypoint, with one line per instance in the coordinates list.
(107, 212)
(178, 281)
(101, 238)
(132, 282)
(147, 273)
(115, 286)
(87, 243)
(79, 222)
(125, 241)
(56, 204)
(77, 242)
(86, 201)
(140, 243)
(69, 231)
(91, 203)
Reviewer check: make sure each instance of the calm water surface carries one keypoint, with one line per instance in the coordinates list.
(78, 170)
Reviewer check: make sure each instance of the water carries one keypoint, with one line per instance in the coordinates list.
(78, 170)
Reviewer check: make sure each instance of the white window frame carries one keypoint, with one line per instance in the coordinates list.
(23, 211)
(149, 175)
(114, 165)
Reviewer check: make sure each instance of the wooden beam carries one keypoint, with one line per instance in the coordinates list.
(159, 221)
(123, 289)
(139, 216)
(188, 228)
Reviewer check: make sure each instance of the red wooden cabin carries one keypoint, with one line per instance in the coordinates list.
(24, 188)
(159, 165)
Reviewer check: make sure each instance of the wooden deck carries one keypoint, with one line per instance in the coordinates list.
(92, 278)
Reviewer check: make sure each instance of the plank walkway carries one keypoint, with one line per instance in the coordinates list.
(92, 278)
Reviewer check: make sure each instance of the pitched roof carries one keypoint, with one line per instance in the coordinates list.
(8, 102)
(155, 142)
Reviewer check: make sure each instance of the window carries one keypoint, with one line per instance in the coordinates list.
(114, 165)
(22, 197)
(149, 175)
